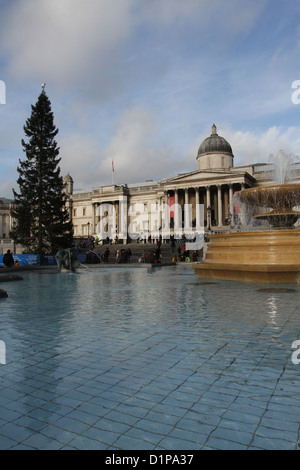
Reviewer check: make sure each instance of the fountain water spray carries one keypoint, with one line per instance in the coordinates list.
(268, 255)
(283, 162)
(282, 197)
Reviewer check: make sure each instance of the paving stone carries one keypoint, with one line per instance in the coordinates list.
(237, 436)
(146, 369)
(174, 443)
(223, 444)
(265, 443)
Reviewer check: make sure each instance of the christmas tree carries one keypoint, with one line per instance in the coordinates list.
(42, 220)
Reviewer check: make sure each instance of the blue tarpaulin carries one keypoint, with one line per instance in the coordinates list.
(49, 260)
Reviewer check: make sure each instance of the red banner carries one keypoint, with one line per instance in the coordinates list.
(171, 205)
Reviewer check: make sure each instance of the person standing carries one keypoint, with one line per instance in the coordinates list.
(8, 259)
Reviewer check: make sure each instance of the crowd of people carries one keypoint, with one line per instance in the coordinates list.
(123, 256)
(120, 256)
(151, 256)
(185, 255)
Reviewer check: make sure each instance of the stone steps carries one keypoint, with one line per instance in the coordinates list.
(166, 251)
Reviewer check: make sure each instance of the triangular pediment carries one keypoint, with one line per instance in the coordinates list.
(198, 176)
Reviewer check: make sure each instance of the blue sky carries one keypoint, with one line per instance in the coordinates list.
(141, 82)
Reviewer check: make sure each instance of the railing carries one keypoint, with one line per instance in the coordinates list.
(6, 241)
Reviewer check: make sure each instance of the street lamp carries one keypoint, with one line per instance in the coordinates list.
(88, 226)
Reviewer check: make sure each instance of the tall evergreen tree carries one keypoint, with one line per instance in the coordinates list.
(43, 224)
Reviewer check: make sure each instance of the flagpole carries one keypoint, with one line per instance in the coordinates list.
(113, 172)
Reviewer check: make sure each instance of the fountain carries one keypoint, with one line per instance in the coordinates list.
(67, 261)
(269, 255)
(281, 196)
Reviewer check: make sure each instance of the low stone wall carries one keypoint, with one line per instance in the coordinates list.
(7, 277)
(3, 294)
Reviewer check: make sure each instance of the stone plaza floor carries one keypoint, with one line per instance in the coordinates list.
(148, 359)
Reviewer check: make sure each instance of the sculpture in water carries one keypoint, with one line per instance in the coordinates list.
(269, 254)
(67, 260)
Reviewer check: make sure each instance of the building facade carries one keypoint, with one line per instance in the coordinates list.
(6, 224)
(181, 206)
(186, 204)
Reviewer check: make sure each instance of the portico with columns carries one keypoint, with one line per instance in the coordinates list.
(189, 203)
(209, 202)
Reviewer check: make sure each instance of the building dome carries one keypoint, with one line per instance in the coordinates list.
(215, 152)
(68, 184)
(68, 179)
(214, 143)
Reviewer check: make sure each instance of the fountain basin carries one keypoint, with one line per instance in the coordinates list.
(271, 256)
(280, 220)
(281, 198)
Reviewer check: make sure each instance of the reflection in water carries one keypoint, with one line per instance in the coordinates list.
(273, 309)
(272, 301)
(63, 330)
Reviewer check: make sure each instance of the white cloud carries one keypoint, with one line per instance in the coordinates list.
(79, 156)
(136, 80)
(63, 41)
(250, 147)
(253, 147)
(133, 147)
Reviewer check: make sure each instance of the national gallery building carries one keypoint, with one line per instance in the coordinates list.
(186, 204)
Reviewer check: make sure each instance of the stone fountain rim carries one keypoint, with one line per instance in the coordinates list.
(257, 233)
(272, 187)
(270, 190)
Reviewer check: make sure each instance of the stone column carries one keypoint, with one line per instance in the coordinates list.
(166, 210)
(198, 210)
(187, 218)
(177, 218)
(160, 209)
(114, 221)
(230, 193)
(220, 205)
(208, 207)
(123, 220)
(226, 204)
(100, 222)
(93, 218)
(117, 218)
(231, 204)
(207, 196)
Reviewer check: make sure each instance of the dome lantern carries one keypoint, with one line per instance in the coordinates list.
(214, 152)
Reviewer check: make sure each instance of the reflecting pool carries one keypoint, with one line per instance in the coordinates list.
(137, 358)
